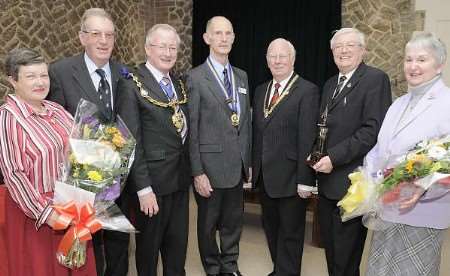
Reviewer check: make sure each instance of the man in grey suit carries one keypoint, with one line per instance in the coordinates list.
(93, 76)
(220, 147)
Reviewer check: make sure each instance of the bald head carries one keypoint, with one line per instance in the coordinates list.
(219, 36)
(280, 58)
(218, 20)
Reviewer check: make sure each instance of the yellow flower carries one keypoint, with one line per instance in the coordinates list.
(86, 131)
(111, 130)
(118, 140)
(95, 176)
(410, 166)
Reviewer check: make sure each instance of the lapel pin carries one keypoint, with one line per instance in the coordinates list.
(349, 85)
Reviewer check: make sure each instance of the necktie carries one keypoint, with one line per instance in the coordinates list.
(227, 84)
(339, 86)
(275, 95)
(166, 85)
(104, 92)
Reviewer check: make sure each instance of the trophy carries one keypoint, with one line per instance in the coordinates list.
(319, 147)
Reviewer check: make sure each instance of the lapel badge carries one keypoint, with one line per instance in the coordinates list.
(349, 85)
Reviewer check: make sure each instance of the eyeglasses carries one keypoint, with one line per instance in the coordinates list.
(280, 57)
(171, 49)
(350, 46)
(97, 34)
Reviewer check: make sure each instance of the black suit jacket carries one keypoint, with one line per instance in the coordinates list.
(162, 160)
(70, 82)
(354, 119)
(283, 140)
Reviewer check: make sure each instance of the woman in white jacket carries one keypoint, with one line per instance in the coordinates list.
(411, 244)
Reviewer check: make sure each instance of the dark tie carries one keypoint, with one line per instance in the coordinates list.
(227, 84)
(104, 92)
(275, 95)
(166, 85)
(339, 87)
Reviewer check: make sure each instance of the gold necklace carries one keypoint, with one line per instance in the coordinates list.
(177, 117)
(268, 111)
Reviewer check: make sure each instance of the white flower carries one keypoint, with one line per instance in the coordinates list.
(436, 152)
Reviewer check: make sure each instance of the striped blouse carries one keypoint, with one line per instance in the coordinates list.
(32, 149)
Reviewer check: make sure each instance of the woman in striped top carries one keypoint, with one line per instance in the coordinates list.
(33, 139)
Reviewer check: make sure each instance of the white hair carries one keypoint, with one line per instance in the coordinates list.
(361, 36)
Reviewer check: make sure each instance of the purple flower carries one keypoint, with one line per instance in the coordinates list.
(125, 73)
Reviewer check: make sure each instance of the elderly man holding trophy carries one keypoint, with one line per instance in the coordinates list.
(353, 106)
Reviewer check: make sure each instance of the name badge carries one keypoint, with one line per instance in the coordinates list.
(242, 90)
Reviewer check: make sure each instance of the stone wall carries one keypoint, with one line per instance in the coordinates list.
(388, 25)
(52, 26)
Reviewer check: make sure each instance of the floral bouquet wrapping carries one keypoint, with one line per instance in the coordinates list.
(361, 195)
(424, 167)
(99, 159)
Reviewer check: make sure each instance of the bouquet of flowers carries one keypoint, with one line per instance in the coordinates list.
(426, 166)
(99, 160)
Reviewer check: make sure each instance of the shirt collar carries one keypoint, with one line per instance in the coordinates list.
(348, 75)
(284, 82)
(26, 108)
(92, 67)
(155, 72)
(219, 66)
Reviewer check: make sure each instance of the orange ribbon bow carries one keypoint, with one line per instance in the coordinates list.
(82, 220)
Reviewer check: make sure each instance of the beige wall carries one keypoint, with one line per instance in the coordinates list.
(437, 20)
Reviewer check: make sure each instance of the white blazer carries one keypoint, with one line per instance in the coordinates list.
(430, 118)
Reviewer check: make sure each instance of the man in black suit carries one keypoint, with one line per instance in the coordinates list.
(93, 76)
(354, 103)
(153, 105)
(220, 149)
(285, 110)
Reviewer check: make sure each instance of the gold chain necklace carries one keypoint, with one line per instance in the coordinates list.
(177, 117)
(268, 111)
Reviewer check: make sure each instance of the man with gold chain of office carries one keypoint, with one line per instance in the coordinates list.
(153, 105)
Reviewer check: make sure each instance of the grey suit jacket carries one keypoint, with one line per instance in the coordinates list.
(217, 148)
(70, 82)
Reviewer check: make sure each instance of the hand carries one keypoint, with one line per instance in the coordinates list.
(408, 203)
(324, 165)
(304, 194)
(51, 220)
(148, 204)
(202, 185)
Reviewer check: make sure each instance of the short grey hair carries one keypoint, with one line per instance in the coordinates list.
(361, 36)
(163, 27)
(431, 42)
(21, 57)
(92, 12)
(291, 47)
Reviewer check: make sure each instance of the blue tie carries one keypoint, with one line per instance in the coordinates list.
(227, 84)
(167, 87)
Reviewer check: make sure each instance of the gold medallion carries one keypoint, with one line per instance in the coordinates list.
(177, 120)
(234, 119)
